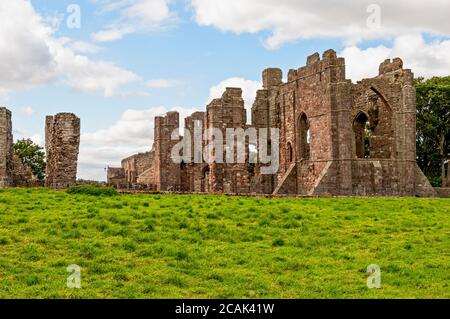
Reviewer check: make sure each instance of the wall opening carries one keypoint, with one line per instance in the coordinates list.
(290, 153)
(361, 128)
(205, 180)
(303, 137)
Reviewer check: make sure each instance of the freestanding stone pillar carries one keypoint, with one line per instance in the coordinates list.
(62, 141)
(6, 148)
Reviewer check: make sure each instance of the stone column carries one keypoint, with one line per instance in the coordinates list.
(62, 141)
(6, 148)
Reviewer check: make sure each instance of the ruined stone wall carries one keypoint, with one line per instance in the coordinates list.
(135, 165)
(266, 114)
(192, 173)
(389, 103)
(115, 176)
(324, 120)
(13, 173)
(228, 112)
(22, 175)
(311, 111)
(148, 177)
(336, 138)
(6, 148)
(62, 137)
(167, 173)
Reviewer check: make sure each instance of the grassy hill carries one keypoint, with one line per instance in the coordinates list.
(190, 246)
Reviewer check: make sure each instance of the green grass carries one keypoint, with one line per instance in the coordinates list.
(190, 246)
(92, 190)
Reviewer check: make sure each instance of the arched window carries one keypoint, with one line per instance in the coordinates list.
(205, 180)
(303, 137)
(362, 132)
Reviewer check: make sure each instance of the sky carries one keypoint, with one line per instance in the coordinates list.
(119, 63)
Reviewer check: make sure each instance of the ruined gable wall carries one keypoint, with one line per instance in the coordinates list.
(389, 100)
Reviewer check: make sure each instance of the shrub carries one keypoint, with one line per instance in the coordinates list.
(32, 280)
(92, 190)
(4, 241)
(278, 242)
(148, 225)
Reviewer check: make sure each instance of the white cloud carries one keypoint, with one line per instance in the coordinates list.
(425, 59)
(135, 16)
(85, 75)
(362, 64)
(131, 134)
(20, 134)
(163, 83)
(26, 110)
(248, 87)
(31, 55)
(112, 33)
(83, 47)
(25, 58)
(38, 139)
(290, 20)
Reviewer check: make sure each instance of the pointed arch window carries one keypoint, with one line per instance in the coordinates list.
(303, 137)
(361, 128)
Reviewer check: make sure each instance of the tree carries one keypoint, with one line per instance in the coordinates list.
(433, 127)
(32, 155)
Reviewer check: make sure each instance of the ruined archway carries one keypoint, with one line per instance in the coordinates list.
(205, 180)
(303, 138)
(361, 129)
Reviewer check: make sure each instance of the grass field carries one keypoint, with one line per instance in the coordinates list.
(191, 246)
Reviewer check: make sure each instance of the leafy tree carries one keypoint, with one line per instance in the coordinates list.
(32, 155)
(433, 127)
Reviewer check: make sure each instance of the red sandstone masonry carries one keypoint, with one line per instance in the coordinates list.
(6, 148)
(62, 140)
(323, 120)
(13, 173)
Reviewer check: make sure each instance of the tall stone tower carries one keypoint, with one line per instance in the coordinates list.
(62, 141)
(227, 112)
(167, 172)
(6, 147)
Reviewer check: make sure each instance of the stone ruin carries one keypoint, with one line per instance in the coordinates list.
(13, 172)
(62, 144)
(337, 138)
(6, 148)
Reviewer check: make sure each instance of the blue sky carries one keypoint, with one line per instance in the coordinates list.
(179, 54)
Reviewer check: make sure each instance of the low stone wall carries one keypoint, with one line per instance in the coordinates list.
(443, 192)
